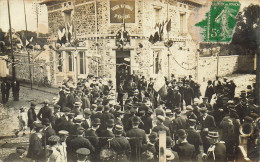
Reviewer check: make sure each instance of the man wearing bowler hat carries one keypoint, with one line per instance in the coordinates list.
(120, 145)
(209, 91)
(107, 133)
(45, 111)
(92, 136)
(137, 139)
(151, 146)
(87, 122)
(79, 142)
(185, 150)
(63, 97)
(179, 122)
(31, 115)
(207, 124)
(47, 131)
(190, 114)
(217, 149)
(193, 136)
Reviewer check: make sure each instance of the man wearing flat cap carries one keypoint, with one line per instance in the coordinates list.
(63, 134)
(137, 139)
(31, 115)
(82, 154)
(217, 149)
(92, 136)
(55, 154)
(18, 156)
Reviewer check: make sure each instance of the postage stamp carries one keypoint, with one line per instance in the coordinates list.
(220, 21)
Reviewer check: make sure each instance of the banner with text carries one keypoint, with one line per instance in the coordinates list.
(119, 8)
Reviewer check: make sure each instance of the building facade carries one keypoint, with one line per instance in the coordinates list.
(111, 46)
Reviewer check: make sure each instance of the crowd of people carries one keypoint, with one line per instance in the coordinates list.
(91, 121)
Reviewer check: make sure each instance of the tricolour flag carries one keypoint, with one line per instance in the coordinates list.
(160, 86)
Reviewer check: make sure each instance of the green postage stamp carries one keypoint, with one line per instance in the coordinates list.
(220, 21)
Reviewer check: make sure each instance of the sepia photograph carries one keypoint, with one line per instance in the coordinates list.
(129, 80)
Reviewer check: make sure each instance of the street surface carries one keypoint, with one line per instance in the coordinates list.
(9, 121)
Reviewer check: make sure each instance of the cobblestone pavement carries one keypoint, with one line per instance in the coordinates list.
(9, 121)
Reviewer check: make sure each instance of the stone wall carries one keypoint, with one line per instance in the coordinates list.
(227, 65)
(22, 70)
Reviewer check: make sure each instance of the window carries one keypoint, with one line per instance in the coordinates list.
(82, 63)
(59, 57)
(156, 62)
(70, 61)
(157, 15)
(182, 23)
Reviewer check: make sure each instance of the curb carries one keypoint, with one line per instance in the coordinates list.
(46, 91)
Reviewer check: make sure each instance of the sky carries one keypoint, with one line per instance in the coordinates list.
(18, 22)
(18, 18)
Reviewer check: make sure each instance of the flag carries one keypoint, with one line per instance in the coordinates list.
(151, 39)
(160, 86)
(31, 39)
(26, 44)
(156, 37)
(168, 26)
(70, 32)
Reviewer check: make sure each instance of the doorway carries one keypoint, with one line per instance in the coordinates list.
(123, 69)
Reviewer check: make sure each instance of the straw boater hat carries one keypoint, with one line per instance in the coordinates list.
(213, 134)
